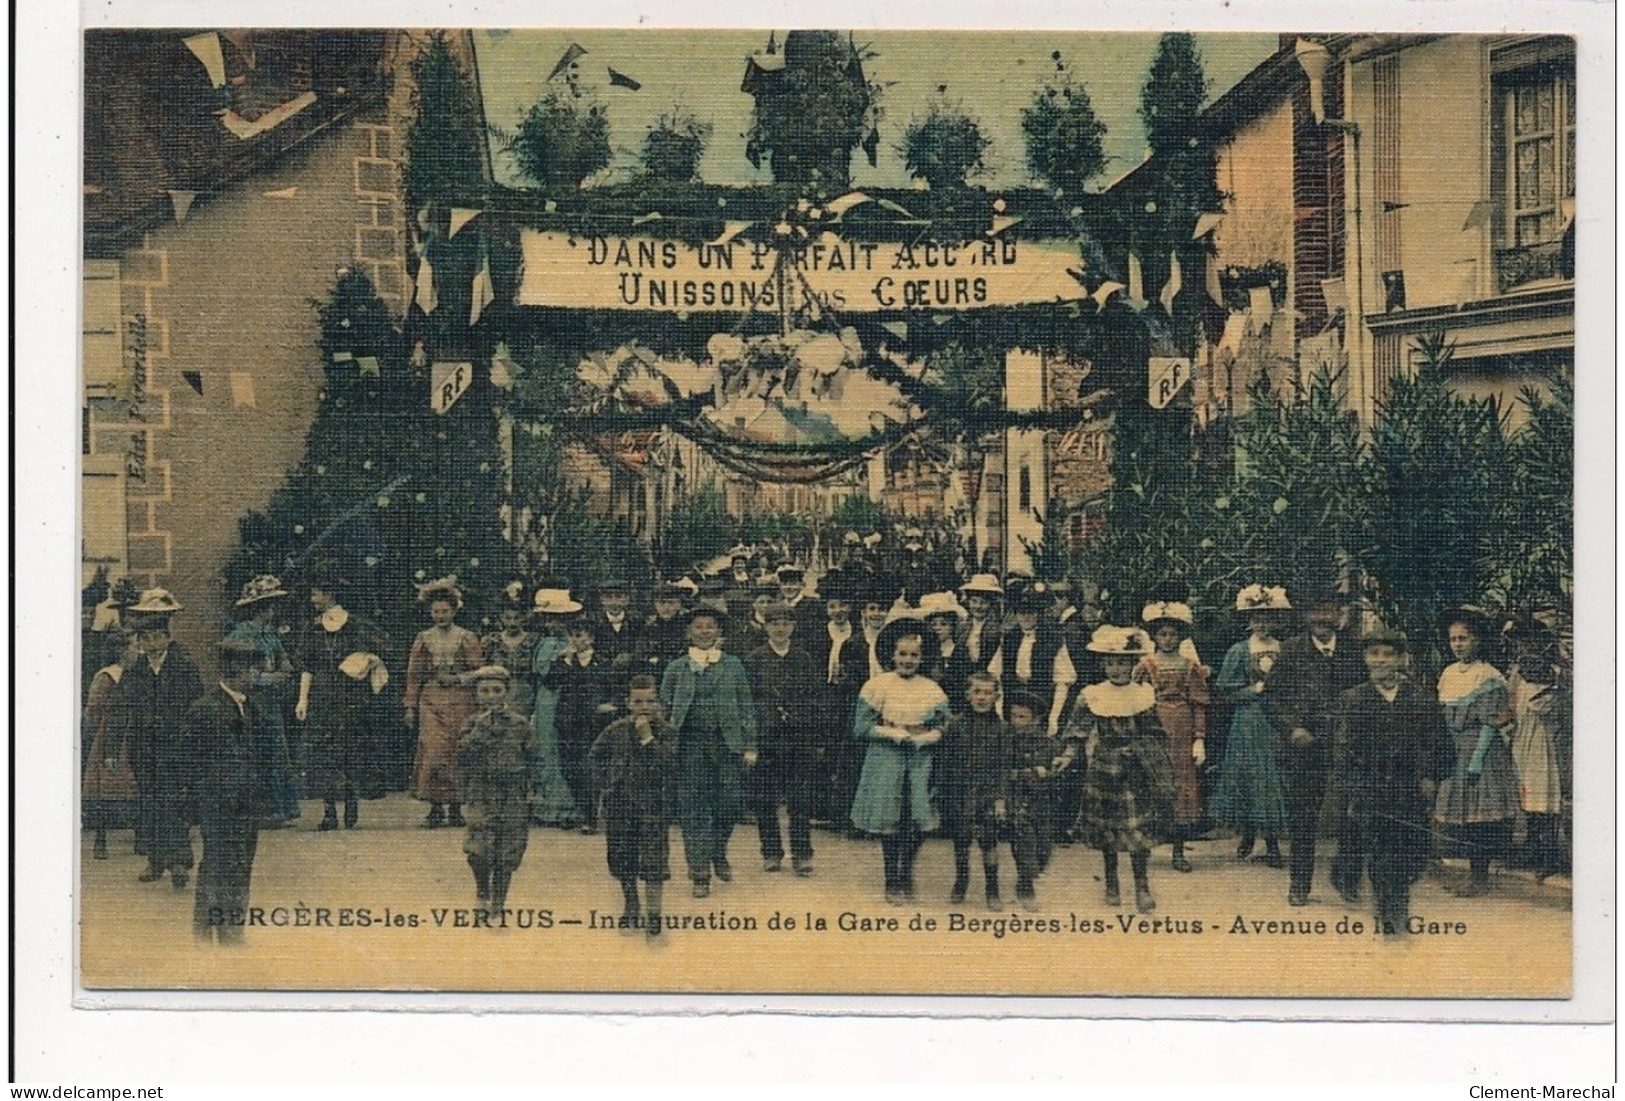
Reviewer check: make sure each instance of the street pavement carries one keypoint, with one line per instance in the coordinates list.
(390, 906)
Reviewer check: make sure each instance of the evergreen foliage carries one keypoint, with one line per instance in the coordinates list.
(443, 156)
(1065, 146)
(945, 147)
(387, 493)
(562, 140)
(696, 532)
(674, 146)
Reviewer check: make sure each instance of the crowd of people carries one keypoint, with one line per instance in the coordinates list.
(997, 712)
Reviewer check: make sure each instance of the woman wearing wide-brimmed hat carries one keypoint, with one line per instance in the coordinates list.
(551, 802)
(1480, 799)
(1181, 687)
(1250, 796)
(946, 661)
(257, 607)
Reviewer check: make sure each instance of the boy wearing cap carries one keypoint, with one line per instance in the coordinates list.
(781, 672)
(1313, 670)
(1390, 751)
(152, 699)
(493, 775)
(707, 694)
(227, 783)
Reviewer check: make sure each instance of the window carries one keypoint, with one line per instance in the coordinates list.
(1540, 156)
(1534, 144)
(1025, 489)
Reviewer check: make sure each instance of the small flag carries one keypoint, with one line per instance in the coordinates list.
(899, 329)
(194, 379)
(206, 48)
(1104, 292)
(1260, 306)
(1001, 222)
(1479, 215)
(1234, 326)
(753, 153)
(1215, 290)
(242, 390)
(243, 40)
(368, 365)
(1168, 377)
(1205, 224)
(567, 60)
(482, 294)
(871, 147)
(621, 80)
(423, 292)
(1171, 289)
(181, 201)
(730, 230)
(283, 193)
(1467, 289)
(1136, 280)
(460, 217)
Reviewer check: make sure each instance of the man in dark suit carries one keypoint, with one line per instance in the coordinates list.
(227, 784)
(1313, 670)
(151, 701)
(841, 660)
(783, 673)
(707, 694)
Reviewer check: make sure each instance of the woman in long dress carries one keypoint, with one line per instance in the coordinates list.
(440, 700)
(339, 672)
(551, 801)
(1181, 687)
(1250, 796)
(1540, 710)
(109, 781)
(1479, 801)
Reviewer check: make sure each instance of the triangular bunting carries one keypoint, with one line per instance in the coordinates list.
(838, 207)
(282, 193)
(423, 292)
(206, 48)
(460, 217)
(1001, 222)
(194, 379)
(1215, 290)
(368, 365)
(1136, 280)
(621, 80)
(569, 57)
(730, 230)
(482, 294)
(1205, 224)
(181, 201)
(1104, 292)
(1176, 282)
(899, 329)
(1260, 306)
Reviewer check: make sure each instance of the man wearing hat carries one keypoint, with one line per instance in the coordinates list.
(792, 582)
(707, 694)
(152, 700)
(1033, 657)
(1391, 752)
(980, 633)
(664, 636)
(781, 672)
(1313, 669)
(227, 784)
(615, 634)
(841, 658)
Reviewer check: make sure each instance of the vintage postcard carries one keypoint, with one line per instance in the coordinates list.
(825, 511)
